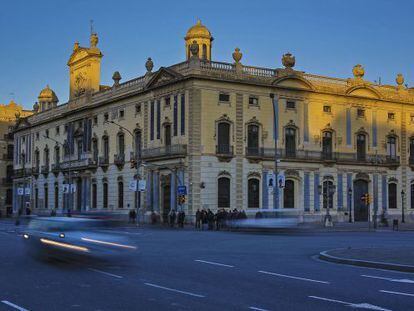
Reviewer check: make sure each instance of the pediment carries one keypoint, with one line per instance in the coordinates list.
(22, 123)
(163, 76)
(83, 53)
(364, 91)
(294, 82)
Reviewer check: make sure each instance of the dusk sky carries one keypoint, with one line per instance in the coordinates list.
(327, 38)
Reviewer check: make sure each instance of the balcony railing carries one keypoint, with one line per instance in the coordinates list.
(45, 169)
(224, 150)
(78, 164)
(18, 173)
(35, 170)
(119, 159)
(310, 155)
(55, 167)
(103, 161)
(164, 152)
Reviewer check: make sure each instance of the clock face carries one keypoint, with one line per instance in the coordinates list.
(80, 84)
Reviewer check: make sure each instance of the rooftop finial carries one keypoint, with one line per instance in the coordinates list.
(91, 25)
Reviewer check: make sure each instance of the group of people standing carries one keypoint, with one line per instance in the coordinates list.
(179, 216)
(219, 220)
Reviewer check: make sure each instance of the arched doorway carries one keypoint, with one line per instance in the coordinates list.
(166, 197)
(360, 209)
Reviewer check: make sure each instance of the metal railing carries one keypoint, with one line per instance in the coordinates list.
(224, 150)
(119, 159)
(103, 161)
(165, 151)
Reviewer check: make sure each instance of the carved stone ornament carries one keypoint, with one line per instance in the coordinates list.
(288, 60)
(399, 79)
(194, 49)
(237, 56)
(358, 71)
(116, 77)
(94, 40)
(36, 107)
(149, 64)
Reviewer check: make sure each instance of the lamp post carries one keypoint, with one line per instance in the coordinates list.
(138, 165)
(350, 203)
(402, 206)
(20, 210)
(275, 124)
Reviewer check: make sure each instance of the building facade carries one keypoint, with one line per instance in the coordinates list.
(214, 127)
(8, 115)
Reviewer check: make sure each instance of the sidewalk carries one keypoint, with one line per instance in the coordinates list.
(389, 258)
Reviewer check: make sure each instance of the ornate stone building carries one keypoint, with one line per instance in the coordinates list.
(8, 115)
(212, 126)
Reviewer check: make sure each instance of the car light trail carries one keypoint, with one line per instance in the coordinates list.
(108, 243)
(66, 245)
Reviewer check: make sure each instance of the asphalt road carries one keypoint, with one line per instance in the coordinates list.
(188, 270)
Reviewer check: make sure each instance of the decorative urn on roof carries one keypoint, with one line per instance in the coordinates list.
(237, 56)
(358, 71)
(288, 60)
(149, 64)
(400, 80)
(116, 77)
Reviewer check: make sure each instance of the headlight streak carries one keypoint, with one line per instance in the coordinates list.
(108, 243)
(66, 245)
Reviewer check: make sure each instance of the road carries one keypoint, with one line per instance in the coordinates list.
(189, 270)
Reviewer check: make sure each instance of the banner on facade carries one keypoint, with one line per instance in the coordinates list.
(132, 185)
(142, 185)
(281, 180)
(73, 188)
(20, 191)
(270, 179)
(27, 191)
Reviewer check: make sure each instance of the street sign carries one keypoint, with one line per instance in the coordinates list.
(142, 185)
(20, 191)
(132, 185)
(281, 180)
(270, 179)
(27, 191)
(182, 190)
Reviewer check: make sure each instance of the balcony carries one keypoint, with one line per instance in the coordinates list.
(104, 161)
(224, 151)
(45, 169)
(35, 170)
(164, 152)
(19, 173)
(55, 168)
(7, 157)
(319, 156)
(79, 164)
(119, 159)
(5, 181)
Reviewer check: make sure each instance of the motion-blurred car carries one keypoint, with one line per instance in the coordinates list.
(74, 238)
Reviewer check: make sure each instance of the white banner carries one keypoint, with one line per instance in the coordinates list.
(132, 185)
(142, 185)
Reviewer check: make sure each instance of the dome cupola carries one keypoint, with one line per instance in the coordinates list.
(201, 35)
(47, 99)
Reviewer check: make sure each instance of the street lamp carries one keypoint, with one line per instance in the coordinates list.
(350, 203)
(138, 164)
(275, 107)
(402, 206)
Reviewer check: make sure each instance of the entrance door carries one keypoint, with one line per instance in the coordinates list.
(79, 194)
(166, 197)
(360, 209)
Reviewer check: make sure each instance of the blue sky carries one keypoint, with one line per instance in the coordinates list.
(327, 37)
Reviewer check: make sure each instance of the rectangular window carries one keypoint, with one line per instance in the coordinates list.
(158, 119)
(360, 113)
(175, 115)
(327, 109)
(167, 102)
(152, 121)
(95, 120)
(391, 116)
(94, 196)
(46, 196)
(57, 130)
(56, 197)
(253, 101)
(224, 97)
(37, 136)
(121, 114)
(105, 195)
(182, 114)
(47, 134)
(290, 104)
(137, 109)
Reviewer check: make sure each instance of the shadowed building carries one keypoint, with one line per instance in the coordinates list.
(212, 126)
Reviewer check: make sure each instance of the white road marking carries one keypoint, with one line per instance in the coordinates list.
(257, 309)
(388, 279)
(175, 290)
(293, 277)
(106, 273)
(214, 263)
(13, 305)
(352, 305)
(396, 293)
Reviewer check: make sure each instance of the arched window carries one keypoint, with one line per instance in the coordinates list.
(80, 146)
(253, 193)
(10, 149)
(56, 195)
(327, 145)
(57, 155)
(94, 196)
(361, 147)
(105, 148)
(95, 150)
(138, 147)
(223, 138)
(290, 142)
(289, 194)
(223, 187)
(37, 159)
(204, 51)
(412, 196)
(46, 158)
(392, 195)
(120, 194)
(412, 150)
(328, 193)
(392, 147)
(105, 195)
(253, 139)
(46, 196)
(121, 144)
(167, 135)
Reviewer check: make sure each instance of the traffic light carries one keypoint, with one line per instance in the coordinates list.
(181, 199)
(366, 198)
(133, 163)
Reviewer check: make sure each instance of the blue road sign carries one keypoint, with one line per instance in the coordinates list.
(182, 190)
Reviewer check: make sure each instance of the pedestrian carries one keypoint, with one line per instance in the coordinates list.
(204, 220)
(134, 216)
(210, 218)
(198, 219)
(172, 216)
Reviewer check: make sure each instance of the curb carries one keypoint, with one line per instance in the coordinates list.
(365, 263)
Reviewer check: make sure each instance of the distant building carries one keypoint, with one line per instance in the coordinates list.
(212, 126)
(8, 115)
